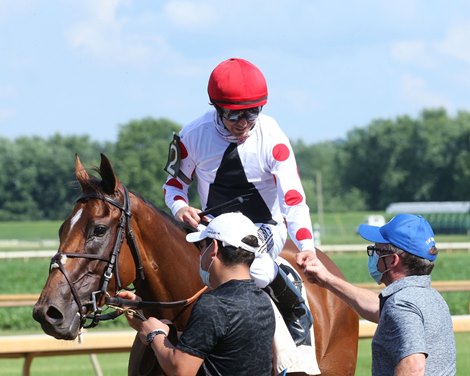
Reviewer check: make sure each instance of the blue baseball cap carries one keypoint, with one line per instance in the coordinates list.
(409, 232)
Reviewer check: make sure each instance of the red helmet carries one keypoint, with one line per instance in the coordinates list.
(236, 84)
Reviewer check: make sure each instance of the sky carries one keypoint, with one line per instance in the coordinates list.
(88, 67)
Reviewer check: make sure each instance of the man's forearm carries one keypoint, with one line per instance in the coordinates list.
(365, 302)
(165, 354)
(174, 361)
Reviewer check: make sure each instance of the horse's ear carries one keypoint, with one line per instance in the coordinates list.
(109, 181)
(80, 172)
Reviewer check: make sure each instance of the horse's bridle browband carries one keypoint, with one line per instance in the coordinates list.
(124, 226)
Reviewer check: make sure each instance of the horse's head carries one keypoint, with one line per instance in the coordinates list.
(89, 262)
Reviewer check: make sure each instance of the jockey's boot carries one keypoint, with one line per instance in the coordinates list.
(292, 307)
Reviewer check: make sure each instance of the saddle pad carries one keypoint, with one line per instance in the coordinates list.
(286, 355)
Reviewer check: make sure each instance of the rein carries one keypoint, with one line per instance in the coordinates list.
(127, 305)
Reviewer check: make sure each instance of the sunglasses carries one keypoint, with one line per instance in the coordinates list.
(250, 114)
(372, 248)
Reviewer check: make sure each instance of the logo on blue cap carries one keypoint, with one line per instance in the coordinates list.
(409, 232)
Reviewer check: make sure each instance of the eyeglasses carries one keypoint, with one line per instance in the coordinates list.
(250, 114)
(372, 248)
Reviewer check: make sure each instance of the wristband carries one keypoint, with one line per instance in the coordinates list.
(155, 333)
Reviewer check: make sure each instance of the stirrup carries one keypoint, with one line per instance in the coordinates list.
(291, 305)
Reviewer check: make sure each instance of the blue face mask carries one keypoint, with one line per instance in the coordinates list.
(204, 274)
(372, 267)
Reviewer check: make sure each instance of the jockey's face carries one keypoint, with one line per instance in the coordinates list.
(239, 122)
(239, 128)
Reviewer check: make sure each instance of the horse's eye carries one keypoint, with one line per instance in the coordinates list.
(100, 230)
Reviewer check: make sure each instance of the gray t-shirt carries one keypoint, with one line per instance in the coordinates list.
(414, 318)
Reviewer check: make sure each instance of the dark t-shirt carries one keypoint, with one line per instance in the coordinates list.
(232, 328)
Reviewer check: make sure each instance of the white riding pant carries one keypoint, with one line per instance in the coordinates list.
(264, 269)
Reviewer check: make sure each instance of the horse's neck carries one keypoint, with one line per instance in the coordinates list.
(170, 263)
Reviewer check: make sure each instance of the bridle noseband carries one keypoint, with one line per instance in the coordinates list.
(124, 227)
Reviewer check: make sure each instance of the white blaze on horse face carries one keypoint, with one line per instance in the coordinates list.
(75, 218)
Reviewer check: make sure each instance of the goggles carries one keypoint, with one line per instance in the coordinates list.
(250, 114)
(371, 249)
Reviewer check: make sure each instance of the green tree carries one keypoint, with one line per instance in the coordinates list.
(141, 154)
(16, 183)
(408, 159)
(461, 173)
(56, 188)
(318, 167)
(36, 181)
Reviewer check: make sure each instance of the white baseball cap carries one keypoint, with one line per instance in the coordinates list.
(230, 228)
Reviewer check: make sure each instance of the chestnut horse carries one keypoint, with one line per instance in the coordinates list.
(114, 238)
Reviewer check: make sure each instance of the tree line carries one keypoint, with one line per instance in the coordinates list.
(403, 159)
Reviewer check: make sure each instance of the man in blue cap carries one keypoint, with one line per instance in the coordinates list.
(414, 335)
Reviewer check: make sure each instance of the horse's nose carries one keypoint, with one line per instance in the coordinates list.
(54, 313)
(59, 322)
(48, 314)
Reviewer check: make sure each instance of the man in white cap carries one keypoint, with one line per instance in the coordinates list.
(231, 328)
(414, 335)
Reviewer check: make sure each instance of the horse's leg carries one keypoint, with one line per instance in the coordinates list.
(142, 361)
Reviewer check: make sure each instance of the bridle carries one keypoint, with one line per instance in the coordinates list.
(124, 228)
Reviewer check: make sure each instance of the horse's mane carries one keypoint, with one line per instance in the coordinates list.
(181, 225)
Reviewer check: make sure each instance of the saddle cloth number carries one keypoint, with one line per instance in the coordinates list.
(174, 160)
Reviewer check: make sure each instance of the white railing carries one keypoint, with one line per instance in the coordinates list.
(28, 253)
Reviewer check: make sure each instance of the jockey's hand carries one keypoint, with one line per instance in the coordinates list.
(313, 268)
(303, 257)
(189, 215)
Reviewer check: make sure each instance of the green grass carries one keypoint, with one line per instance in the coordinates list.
(70, 365)
(340, 228)
(24, 276)
(449, 266)
(28, 230)
(364, 358)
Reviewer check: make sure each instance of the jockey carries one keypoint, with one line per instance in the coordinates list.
(236, 150)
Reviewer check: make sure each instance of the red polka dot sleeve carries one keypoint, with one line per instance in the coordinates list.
(291, 196)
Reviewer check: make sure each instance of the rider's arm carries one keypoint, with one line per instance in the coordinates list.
(175, 188)
(291, 195)
(176, 198)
